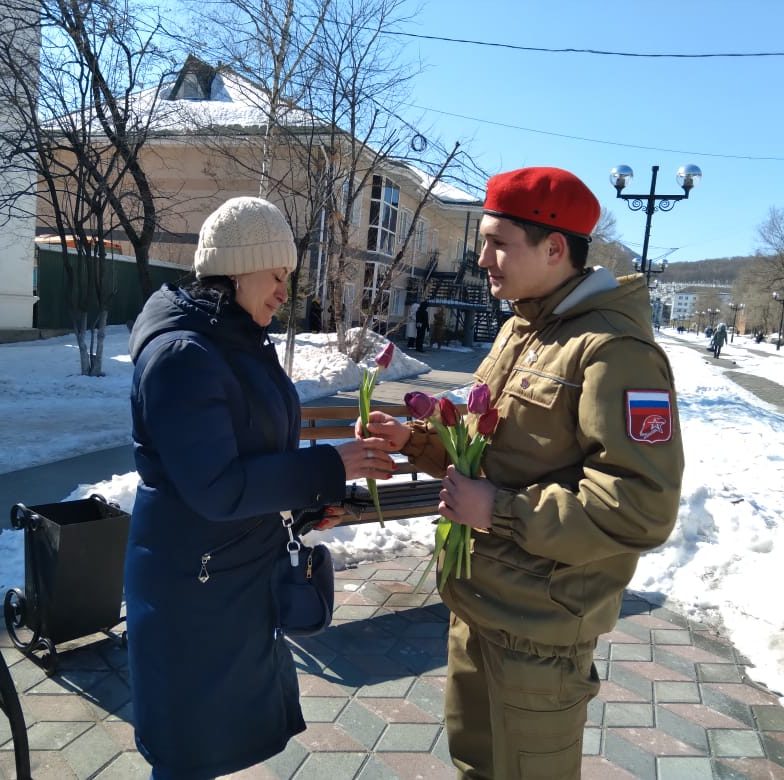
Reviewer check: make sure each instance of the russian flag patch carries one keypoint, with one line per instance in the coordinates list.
(648, 416)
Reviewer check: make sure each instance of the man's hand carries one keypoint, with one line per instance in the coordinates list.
(467, 501)
(395, 433)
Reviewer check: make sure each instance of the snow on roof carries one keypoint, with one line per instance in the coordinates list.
(446, 192)
(238, 104)
(234, 102)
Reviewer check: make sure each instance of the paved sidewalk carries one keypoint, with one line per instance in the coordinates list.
(676, 702)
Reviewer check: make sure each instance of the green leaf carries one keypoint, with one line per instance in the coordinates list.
(373, 489)
(442, 531)
(446, 438)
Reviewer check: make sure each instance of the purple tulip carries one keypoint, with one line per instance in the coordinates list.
(384, 358)
(479, 399)
(421, 405)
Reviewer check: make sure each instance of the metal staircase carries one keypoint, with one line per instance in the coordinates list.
(462, 291)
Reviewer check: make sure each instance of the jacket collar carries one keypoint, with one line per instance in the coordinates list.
(572, 292)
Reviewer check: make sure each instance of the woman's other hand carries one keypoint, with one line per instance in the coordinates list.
(332, 517)
(367, 458)
(395, 433)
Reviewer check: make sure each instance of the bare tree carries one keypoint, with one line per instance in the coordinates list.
(771, 234)
(77, 133)
(328, 83)
(361, 80)
(606, 249)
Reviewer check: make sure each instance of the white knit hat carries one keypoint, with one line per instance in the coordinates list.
(242, 236)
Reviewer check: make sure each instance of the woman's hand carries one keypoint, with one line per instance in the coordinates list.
(332, 517)
(395, 433)
(367, 458)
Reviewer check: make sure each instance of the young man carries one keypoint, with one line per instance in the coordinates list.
(583, 474)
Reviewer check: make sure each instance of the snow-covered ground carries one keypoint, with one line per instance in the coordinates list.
(722, 564)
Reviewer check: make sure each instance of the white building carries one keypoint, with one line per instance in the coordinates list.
(17, 220)
(684, 304)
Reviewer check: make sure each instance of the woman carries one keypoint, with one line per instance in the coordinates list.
(411, 324)
(216, 432)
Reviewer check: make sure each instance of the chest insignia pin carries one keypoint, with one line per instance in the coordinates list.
(531, 358)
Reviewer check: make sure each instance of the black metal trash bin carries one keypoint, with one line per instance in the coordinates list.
(74, 557)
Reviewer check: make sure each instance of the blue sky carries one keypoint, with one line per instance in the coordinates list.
(715, 111)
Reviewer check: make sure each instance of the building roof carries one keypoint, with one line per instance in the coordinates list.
(203, 98)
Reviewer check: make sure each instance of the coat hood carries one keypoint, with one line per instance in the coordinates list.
(595, 290)
(172, 308)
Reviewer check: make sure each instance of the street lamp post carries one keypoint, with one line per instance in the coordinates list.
(778, 298)
(735, 307)
(688, 176)
(712, 314)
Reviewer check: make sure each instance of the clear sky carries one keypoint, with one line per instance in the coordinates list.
(722, 114)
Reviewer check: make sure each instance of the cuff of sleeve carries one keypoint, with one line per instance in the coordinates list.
(505, 522)
(417, 442)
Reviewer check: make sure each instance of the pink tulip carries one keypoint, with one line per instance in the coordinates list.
(384, 358)
(479, 399)
(487, 422)
(448, 412)
(421, 405)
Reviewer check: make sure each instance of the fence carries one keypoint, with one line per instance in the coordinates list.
(51, 311)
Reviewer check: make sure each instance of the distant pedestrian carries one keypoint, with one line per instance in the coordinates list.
(315, 316)
(422, 326)
(411, 325)
(719, 339)
(437, 334)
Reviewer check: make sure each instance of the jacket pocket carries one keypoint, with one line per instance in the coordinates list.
(538, 387)
(241, 550)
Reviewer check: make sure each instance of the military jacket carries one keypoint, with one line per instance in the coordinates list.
(587, 459)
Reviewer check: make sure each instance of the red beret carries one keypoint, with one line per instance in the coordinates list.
(549, 197)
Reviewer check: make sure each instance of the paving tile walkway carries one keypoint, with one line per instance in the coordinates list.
(676, 702)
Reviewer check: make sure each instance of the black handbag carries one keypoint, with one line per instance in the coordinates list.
(303, 586)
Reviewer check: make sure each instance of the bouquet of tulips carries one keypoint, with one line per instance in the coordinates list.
(466, 455)
(366, 386)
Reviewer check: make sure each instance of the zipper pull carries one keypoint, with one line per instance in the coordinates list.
(309, 568)
(293, 548)
(204, 575)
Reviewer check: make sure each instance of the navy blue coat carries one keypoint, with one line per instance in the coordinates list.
(216, 431)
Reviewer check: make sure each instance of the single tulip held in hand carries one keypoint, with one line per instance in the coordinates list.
(366, 386)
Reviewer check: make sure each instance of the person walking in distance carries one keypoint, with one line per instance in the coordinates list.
(719, 339)
(582, 474)
(411, 325)
(422, 326)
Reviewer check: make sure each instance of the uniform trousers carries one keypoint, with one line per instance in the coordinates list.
(513, 714)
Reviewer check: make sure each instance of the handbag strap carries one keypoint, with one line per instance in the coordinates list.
(293, 545)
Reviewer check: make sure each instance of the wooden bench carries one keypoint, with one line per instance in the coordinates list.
(413, 497)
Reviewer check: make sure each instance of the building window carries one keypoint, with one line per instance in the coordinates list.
(384, 204)
(356, 207)
(397, 303)
(421, 236)
(405, 225)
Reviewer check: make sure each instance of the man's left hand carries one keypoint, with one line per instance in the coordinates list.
(466, 501)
